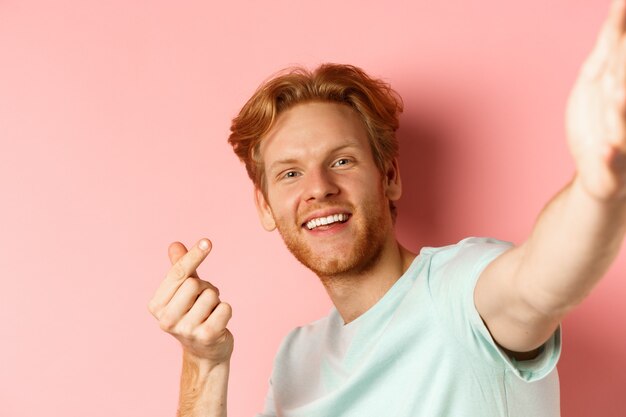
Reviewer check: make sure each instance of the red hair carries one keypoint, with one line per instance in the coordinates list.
(374, 101)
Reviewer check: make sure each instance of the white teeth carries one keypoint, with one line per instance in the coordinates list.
(322, 221)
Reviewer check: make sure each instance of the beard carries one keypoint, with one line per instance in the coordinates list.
(371, 225)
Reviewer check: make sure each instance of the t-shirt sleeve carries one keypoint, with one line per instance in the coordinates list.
(453, 274)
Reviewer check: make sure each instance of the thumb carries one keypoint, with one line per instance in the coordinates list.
(176, 251)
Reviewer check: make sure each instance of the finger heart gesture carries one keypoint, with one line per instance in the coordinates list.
(190, 308)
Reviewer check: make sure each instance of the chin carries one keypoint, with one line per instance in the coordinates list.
(361, 258)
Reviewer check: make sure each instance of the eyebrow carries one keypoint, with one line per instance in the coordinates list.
(289, 161)
(282, 162)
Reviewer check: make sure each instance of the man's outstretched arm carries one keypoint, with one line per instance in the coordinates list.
(524, 294)
(190, 309)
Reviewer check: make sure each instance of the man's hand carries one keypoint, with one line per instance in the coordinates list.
(596, 112)
(190, 309)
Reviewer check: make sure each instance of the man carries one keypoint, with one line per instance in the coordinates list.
(470, 329)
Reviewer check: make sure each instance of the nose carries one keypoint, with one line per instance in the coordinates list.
(320, 184)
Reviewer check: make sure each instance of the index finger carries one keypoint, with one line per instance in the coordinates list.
(182, 269)
(185, 266)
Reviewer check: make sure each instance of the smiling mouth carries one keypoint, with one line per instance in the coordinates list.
(328, 220)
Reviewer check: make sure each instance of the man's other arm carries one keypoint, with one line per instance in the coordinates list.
(190, 309)
(524, 294)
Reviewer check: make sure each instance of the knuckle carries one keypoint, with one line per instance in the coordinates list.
(227, 310)
(185, 330)
(206, 335)
(178, 271)
(196, 284)
(152, 307)
(192, 284)
(210, 296)
(166, 323)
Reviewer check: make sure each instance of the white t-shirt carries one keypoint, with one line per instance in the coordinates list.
(421, 350)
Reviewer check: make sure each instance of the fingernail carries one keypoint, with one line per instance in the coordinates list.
(204, 244)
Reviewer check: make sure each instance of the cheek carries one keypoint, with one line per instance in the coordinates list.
(284, 205)
(371, 190)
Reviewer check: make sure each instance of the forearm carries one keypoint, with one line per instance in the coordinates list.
(203, 388)
(573, 243)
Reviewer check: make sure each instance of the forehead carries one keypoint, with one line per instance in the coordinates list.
(313, 127)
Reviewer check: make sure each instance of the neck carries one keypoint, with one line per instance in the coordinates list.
(356, 292)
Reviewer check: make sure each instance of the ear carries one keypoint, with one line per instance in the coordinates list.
(264, 210)
(392, 181)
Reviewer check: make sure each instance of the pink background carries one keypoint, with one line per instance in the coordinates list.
(113, 124)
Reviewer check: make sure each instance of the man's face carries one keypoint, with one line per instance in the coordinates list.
(325, 193)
